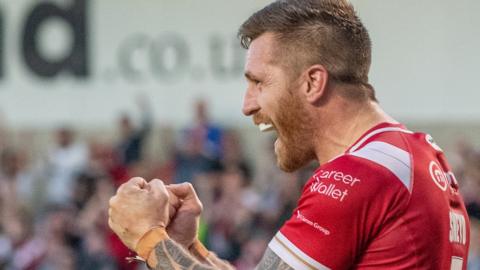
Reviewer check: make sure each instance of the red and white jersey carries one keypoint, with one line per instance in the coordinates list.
(389, 202)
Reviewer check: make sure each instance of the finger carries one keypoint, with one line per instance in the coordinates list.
(158, 187)
(173, 200)
(139, 182)
(184, 191)
(157, 184)
(188, 197)
(173, 204)
(136, 183)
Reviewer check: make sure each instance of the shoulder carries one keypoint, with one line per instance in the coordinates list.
(375, 172)
(378, 161)
(381, 160)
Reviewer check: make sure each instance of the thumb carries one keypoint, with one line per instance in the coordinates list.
(173, 200)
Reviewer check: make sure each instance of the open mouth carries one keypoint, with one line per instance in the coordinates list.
(264, 127)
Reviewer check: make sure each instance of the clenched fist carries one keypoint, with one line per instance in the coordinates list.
(185, 209)
(138, 207)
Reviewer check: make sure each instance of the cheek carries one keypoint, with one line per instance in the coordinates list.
(268, 106)
(265, 98)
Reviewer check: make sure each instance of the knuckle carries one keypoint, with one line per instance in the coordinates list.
(135, 179)
(157, 180)
(198, 208)
(189, 186)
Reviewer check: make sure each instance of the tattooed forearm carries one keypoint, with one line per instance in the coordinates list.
(170, 256)
(270, 260)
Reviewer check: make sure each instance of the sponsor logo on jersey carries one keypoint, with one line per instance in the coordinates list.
(338, 176)
(336, 190)
(440, 178)
(315, 225)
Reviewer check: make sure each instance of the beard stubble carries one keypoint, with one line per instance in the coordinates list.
(295, 133)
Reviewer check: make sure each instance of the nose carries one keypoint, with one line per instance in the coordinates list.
(250, 104)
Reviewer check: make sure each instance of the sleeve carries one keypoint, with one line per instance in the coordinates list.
(343, 206)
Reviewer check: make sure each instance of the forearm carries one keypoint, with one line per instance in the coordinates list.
(271, 261)
(170, 255)
(167, 254)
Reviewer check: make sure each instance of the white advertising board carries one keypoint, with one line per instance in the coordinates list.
(85, 61)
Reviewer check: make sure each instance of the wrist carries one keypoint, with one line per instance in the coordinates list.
(199, 250)
(147, 244)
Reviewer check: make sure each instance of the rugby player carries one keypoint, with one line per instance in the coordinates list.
(383, 197)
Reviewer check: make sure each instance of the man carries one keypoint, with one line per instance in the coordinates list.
(130, 146)
(383, 197)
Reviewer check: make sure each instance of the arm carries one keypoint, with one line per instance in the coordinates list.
(145, 216)
(270, 260)
(167, 254)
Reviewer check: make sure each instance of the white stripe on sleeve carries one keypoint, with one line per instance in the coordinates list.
(293, 256)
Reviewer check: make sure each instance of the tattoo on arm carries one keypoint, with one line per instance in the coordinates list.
(170, 256)
(270, 260)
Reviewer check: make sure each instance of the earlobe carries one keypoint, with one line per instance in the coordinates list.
(317, 78)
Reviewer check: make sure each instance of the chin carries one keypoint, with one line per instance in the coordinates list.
(287, 167)
(290, 165)
(291, 159)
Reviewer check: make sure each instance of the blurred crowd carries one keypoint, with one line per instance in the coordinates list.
(53, 209)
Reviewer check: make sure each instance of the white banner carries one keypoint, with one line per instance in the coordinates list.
(85, 61)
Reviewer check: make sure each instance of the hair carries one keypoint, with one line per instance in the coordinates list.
(309, 32)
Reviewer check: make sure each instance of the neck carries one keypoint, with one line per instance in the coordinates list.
(343, 122)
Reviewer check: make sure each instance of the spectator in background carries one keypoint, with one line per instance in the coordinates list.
(64, 162)
(474, 256)
(190, 160)
(130, 147)
(209, 133)
(15, 177)
(200, 147)
(233, 156)
(232, 215)
(97, 250)
(466, 164)
(59, 240)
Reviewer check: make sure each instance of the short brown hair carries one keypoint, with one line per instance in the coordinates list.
(326, 32)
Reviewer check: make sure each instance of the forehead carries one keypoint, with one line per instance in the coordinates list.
(260, 54)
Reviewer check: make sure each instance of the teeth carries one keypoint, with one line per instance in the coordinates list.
(265, 127)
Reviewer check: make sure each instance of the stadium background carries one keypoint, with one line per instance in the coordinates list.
(85, 69)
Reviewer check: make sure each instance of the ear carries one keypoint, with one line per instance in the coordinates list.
(317, 78)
